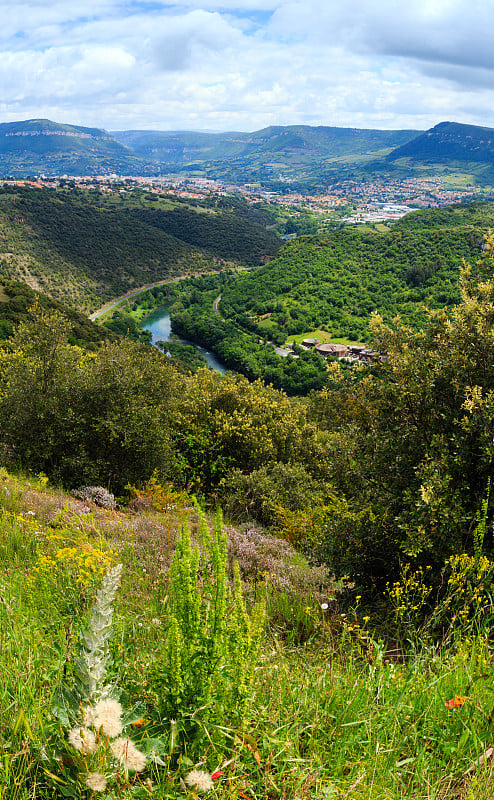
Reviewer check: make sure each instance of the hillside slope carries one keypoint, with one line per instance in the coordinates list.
(16, 300)
(450, 141)
(336, 280)
(85, 249)
(40, 145)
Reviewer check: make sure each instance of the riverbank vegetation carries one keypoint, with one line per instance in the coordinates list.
(330, 283)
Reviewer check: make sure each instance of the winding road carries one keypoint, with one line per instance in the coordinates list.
(112, 303)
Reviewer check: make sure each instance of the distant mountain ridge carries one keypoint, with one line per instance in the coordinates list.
(37, 146)
(310, 156)
(450, 141)
(182, 147)
(41, 146)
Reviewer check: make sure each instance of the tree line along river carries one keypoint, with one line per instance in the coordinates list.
(159, 324)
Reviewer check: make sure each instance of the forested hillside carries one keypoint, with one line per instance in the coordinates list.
(16, 301)
(84, 247)
(383, 464)
(336, 280)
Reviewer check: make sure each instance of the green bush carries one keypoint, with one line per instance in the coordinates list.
(261, 493)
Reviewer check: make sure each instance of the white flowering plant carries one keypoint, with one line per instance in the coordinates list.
(202, 677)
(89, 749)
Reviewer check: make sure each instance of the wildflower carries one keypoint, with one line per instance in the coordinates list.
(455, 702)
(82, 739)
(88, 716)
(107, 715)
(218, 774)
(324, 606)
(96, 781)
(127, 753)
(199, 780)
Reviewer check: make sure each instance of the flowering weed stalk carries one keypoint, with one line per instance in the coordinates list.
(90, 666)
(205, 672)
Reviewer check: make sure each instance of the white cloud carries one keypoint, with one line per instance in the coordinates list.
(179, 41)
(244, 64)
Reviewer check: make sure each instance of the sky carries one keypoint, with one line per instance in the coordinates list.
(241, 65)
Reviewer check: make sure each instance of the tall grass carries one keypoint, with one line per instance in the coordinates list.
(33, 639)
(333, 713)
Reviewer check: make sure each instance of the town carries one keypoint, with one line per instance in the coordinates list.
(348, 202)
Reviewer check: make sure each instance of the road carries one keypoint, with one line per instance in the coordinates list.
(112, 303)
(215, 306)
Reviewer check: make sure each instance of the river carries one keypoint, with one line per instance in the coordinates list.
(160, 326)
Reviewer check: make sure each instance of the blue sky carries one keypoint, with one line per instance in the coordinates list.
(246, 64)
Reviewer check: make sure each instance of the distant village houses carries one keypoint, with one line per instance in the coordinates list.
(340, 351)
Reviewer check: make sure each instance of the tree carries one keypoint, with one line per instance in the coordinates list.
(412, 440)
(225, 422)
(81, 417)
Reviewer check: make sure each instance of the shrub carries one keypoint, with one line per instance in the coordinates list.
(263, 557)
(156, 495)
(263, 492)
(95, 494)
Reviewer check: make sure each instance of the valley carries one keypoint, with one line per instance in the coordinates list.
(247, 400)
(356, 497)
(84, 248)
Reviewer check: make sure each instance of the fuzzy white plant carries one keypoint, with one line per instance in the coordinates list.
(95, 716)
(90, 667)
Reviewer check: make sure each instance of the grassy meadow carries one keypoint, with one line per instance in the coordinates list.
(332, 698)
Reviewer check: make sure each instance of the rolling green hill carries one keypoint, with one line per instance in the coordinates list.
(41, 146)
(84, 248)
(335, 281)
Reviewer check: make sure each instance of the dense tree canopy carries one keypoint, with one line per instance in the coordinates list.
(84, 248)
(411, 443)
(396, 457)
